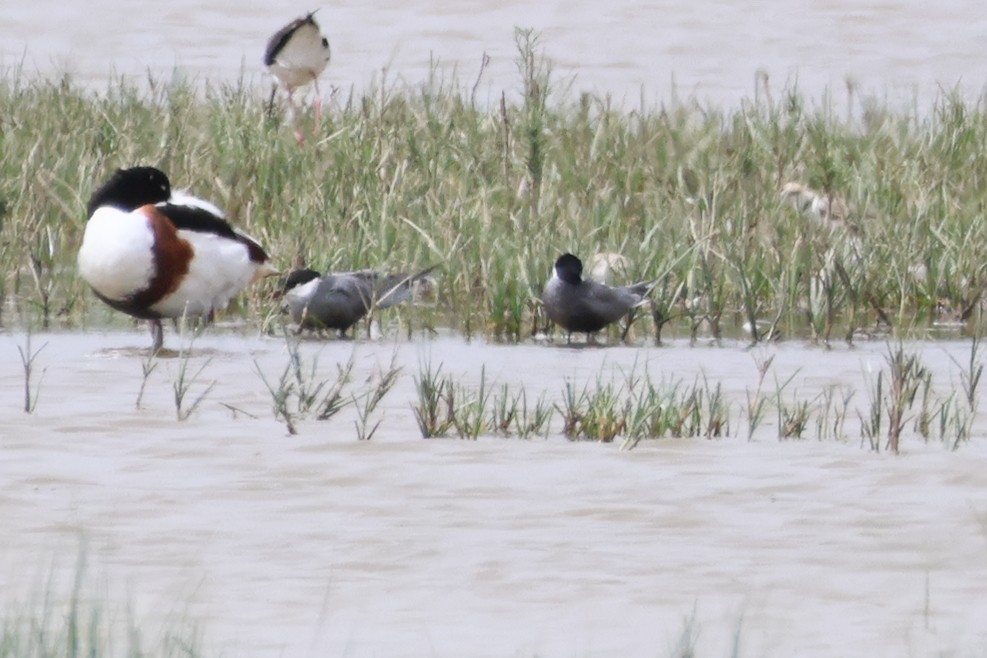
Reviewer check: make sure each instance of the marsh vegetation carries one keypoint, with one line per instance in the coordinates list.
(405, 177)
(690, 195)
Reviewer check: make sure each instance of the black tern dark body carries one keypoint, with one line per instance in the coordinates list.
(585, 306)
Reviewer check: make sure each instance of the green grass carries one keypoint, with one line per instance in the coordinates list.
(904, 401)
(405, 177)
(77, 621)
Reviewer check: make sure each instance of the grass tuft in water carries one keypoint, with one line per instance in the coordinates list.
(469, 407)
(756, 401)
(907, 375)
(382, 381)
(434, 410)
(511, 414)
(300, 391)
(148, 365)
(185, 380)
(28, 357)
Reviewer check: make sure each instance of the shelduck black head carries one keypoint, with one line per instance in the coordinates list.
(129, 189)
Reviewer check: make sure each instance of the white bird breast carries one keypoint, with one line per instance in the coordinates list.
(116, 256)
(299, 297)
(303, 57)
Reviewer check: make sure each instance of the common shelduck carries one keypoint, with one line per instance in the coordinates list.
(154, 253)
(296, 55)
(339, 300)
(585, 306)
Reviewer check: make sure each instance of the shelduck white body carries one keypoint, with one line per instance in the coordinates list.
(116, 257)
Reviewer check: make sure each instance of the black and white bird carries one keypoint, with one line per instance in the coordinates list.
(296, 55)
(339, 300)
(586, 306)
(153, 253)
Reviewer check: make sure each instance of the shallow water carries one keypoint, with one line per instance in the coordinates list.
(321, 545)
(712, 49)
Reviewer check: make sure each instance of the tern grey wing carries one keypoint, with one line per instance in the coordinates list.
(641, 289)
(339, 302)
(610, 304)
(583, 307)
(393, 289)
(377, 289)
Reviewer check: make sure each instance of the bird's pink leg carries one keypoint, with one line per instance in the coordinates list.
(295, 116)
(318, 104)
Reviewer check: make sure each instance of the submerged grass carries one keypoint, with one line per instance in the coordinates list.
(28, 357)
(79, 623)
(636, 404)
(411, 176)
(302, 390)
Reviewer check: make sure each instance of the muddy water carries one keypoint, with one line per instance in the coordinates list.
(630, 49)
(321, 545)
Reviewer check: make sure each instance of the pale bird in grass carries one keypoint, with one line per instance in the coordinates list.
(296, 55)
(826, 210)
(606, 267)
